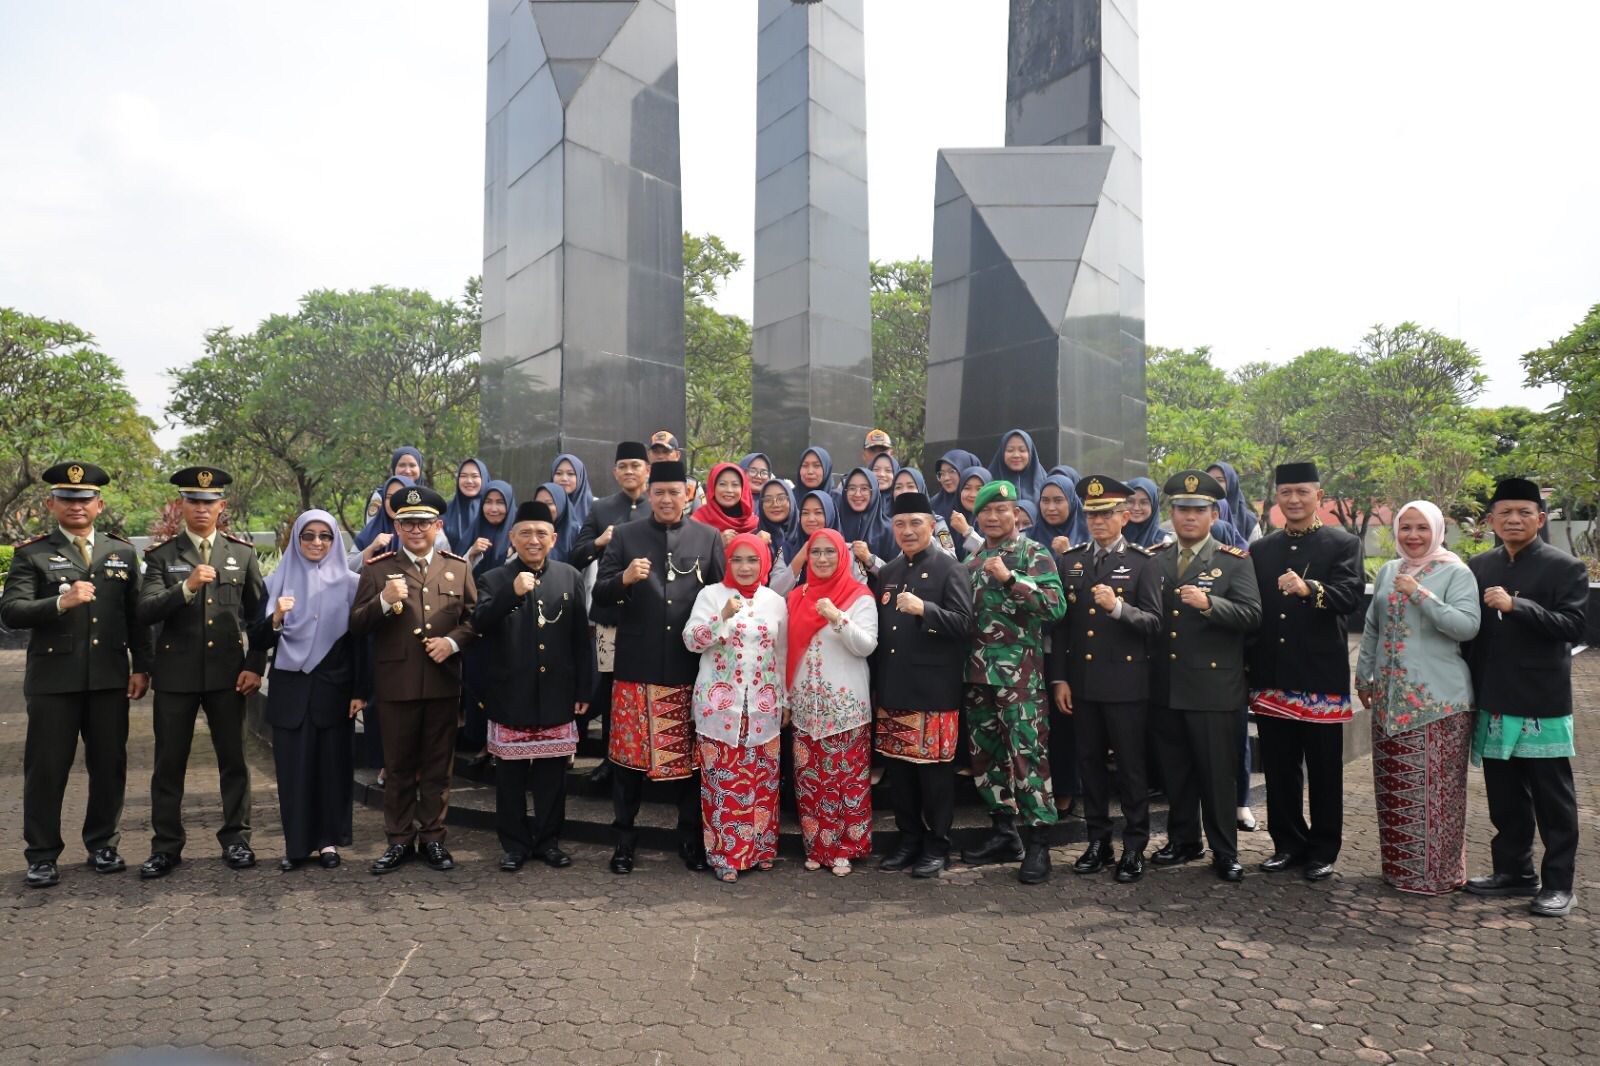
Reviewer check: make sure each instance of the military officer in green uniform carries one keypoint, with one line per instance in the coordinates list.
(1211, 603)
(78, 591)
(201, 588)
(1100, 671)
(1017, 597)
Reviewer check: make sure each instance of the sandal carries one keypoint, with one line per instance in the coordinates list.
(764, 865)
(841, 868)
(813, 864)
(728, 876)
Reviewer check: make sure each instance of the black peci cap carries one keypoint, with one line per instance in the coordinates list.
(912, 503)
(632, 449)
(534, 511)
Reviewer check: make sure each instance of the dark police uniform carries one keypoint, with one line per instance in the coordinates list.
(919, 670)
(1303, 648)
(200, 654)
(1198, 685)
(1104, 657)
(77, 676)
(419, 700)
(684, 558)
(539, 669)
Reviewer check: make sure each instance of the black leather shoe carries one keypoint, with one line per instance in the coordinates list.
(238, 856)
(901, 858)
(1004, 844)
(694, 858)
(622, 859)
(1281, 861)
(329, 859)
(1552, 903)
(600, 776)
(1131, 868)
(554, 856)
(929, 866)
(107, 861)
(1229, 870)
(287, 864)
(435, 855)
(393, 857)
(1035, 860)
(42, 874)
(1177, 854)
(1504, 885)
(1095, 858)
(1319, 871)
(160, 864)
(511, 862)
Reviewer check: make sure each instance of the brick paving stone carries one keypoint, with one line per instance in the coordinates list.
(666, 967)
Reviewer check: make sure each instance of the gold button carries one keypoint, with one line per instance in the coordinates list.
(427, 607)
(1213, 666)
(1174, 614)
(208, 644)
(1174, 656)
(1130, 658)
(1293, 548)
(1090, 633)
(541, 669)
(1282, 641)
(209, 600)
(1283, 616)
(211, 621)
(541, 647)
(1088, 658)
(96, 641)
(92, 619)
(428, 626)
(891, 651)
(1091, 610)
(893, 628)
(52, 650)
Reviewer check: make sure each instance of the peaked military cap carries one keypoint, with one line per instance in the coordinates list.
(75, 481)
(416, 501)
(201, 482)
(1101, 493)
(1193, 488)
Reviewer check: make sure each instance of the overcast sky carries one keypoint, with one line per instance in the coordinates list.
(1310, 170)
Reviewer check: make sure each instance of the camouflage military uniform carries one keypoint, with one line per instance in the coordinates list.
(1005, 695)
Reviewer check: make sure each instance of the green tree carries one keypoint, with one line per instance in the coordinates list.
(902, 296)
(1193, 416)
(717, 363)
(61, 397)
(305, 409)
(1567, 437)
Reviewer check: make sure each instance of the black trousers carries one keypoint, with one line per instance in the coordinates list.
(54, 724)
(1528, 793)
(924, 799)
(627, 786)
(1063, 747)
(1100, 727)
(600, 707)
(314, 785)
(173, 717)
(1286, 745)
(419, 744)
(513, 778)
(1198, 752)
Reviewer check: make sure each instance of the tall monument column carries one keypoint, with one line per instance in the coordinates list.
(813, 311)
(583, 233)
(1039, 252)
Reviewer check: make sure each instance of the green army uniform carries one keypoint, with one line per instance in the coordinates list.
(199, 654)
(1005, 693)
(78, 668)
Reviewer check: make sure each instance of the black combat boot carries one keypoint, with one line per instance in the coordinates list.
(1002, 845)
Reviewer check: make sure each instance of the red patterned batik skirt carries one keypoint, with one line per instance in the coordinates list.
(545, 742)
(917, 736)
(833, 789)
(652, 729)
(1421, 782)
(739, 802)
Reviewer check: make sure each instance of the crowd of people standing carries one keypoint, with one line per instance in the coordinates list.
(1039, 630)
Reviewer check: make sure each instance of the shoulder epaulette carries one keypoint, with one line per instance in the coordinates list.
(1231, 550)
(1077, 547)
(452, 555)
(1157, 547)
(246, 541)
(382, 555)
(30, 540)
(1141, 549)
(148, 548)
(117, 536)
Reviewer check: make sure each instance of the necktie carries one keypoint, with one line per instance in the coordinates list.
(1185, 557)
(82, 544)
(205, 552)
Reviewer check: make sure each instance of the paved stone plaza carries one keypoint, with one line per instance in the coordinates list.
(671, 967)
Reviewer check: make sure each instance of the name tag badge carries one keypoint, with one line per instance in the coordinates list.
(62, 565)
(113, 563)
(179, 568)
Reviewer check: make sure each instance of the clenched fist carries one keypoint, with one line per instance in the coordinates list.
(200, 577)
(636, 572)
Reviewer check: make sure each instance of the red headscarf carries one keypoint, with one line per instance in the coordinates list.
(712, 514)
(762, 552)
(842, 588)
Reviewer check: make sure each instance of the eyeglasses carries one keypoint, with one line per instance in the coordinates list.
(858, 490)
(308, 537)
(824, 553)
(415, 524)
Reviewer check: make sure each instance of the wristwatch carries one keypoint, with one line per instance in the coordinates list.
(1011, 579)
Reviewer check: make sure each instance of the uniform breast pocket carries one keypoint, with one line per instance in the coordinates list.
(230, 588)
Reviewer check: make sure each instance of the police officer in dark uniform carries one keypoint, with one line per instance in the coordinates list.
(78, 591)
(925, 621)
(202, 588)
(630, 469)
(1210, 605)
(531, 615)
(1100, 671)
